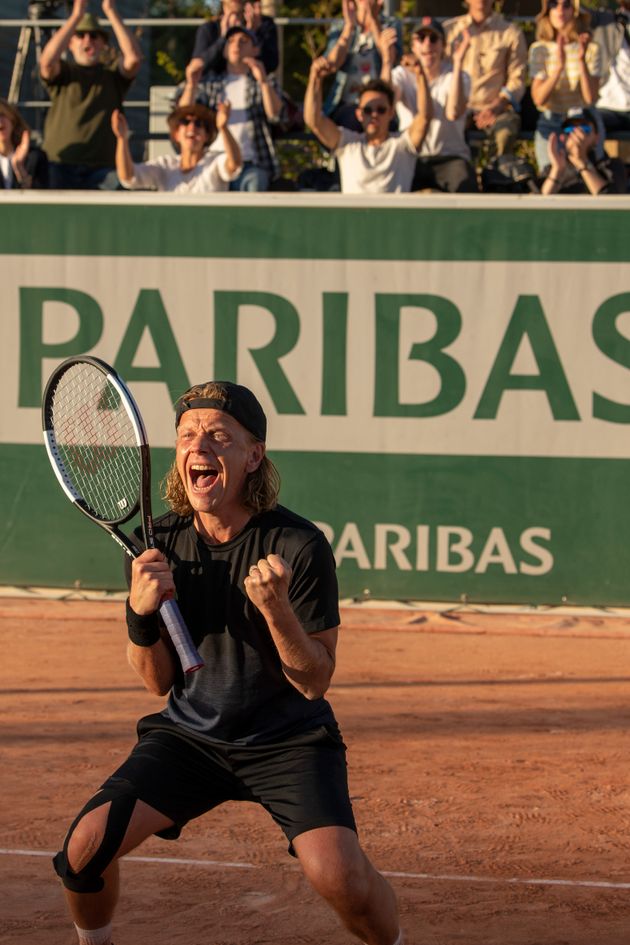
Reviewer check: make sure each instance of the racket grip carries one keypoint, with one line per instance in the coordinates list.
(178, 632)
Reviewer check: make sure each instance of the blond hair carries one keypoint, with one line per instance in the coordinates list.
(261, 488)
(545, 31)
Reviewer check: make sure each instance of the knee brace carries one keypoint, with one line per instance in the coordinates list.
(89, 878)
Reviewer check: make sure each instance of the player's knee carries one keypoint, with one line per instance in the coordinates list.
(86, 838)
(93, 841)
(347, 885)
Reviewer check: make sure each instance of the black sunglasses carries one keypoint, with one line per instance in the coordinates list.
(197, 122)
(433, 37)
(374, 109)
(89, 33)
(563, 4)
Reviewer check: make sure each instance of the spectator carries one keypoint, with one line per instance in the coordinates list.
(255, 106)
(565, 66)
(77, 136)
(496, 61)
(196, 170)
(353, 52)
(210, 37)
(375, 161)
(574, 164)
(445, 160)
(611, 31)
(22, 165)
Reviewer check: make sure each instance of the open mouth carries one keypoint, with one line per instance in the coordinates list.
(202, 476)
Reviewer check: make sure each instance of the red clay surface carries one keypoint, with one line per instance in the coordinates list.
(488, 765)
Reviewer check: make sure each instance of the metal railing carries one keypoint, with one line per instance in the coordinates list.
(282, 23)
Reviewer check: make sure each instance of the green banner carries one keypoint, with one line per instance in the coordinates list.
(446, 381)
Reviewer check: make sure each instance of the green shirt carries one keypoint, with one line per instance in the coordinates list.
(78, 124)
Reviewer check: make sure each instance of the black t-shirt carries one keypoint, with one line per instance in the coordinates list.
(241, 694)
(78, 124)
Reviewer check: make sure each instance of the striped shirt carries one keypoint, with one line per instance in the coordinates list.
(567, 94)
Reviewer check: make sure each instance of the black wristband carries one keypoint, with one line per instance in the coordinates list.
(143, 629)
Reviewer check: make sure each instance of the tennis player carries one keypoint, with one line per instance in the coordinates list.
(257, 588)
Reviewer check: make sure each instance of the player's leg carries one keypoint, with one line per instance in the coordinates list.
(339, 870)
(304, 787)
(158, 789)
(88, 864)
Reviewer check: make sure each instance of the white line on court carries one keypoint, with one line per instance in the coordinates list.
(436, 877)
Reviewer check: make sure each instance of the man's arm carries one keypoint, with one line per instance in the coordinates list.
(388, 49)
(50, 60)
(272, 103)
(516, 72)
(457, 97)
(322, 127)
(308, 660)
(131, 53)
(422, 119)
(148, 652)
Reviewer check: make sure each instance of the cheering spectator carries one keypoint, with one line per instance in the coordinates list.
(565, 66)
(445, 160)
(210, 37)
(255, 106)
(611, 31)
(353, 53)
(77, 136)
(374, 161)
(196, 170)
(22, 165)
(574, 165)
(496, 61)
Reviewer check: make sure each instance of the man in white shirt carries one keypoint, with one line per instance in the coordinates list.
(374, 161)
(255, 106)
(445, 160)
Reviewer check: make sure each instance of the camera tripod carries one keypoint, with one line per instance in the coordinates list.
(32, 32)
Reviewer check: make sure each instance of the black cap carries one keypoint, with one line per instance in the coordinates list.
(428, 24)
(585, 116)
(237, 28)
(238, 402)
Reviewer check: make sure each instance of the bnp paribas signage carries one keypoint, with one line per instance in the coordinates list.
(449, 402)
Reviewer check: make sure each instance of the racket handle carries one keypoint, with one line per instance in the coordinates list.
(178, 632)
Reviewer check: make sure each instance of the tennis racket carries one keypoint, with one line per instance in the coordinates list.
(97, 446)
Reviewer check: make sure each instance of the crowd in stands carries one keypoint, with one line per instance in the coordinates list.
(443, 111)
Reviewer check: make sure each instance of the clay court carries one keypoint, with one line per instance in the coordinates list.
(488, 762)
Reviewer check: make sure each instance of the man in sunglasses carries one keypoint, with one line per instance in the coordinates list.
(445, 160)
(575, 165)
(84, 93)
(374, 161)
(193, 170)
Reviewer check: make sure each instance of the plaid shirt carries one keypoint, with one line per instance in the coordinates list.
(212, 90)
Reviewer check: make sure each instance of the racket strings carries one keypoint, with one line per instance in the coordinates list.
(96, 442)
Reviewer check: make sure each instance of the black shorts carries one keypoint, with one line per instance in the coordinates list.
(302, 781)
